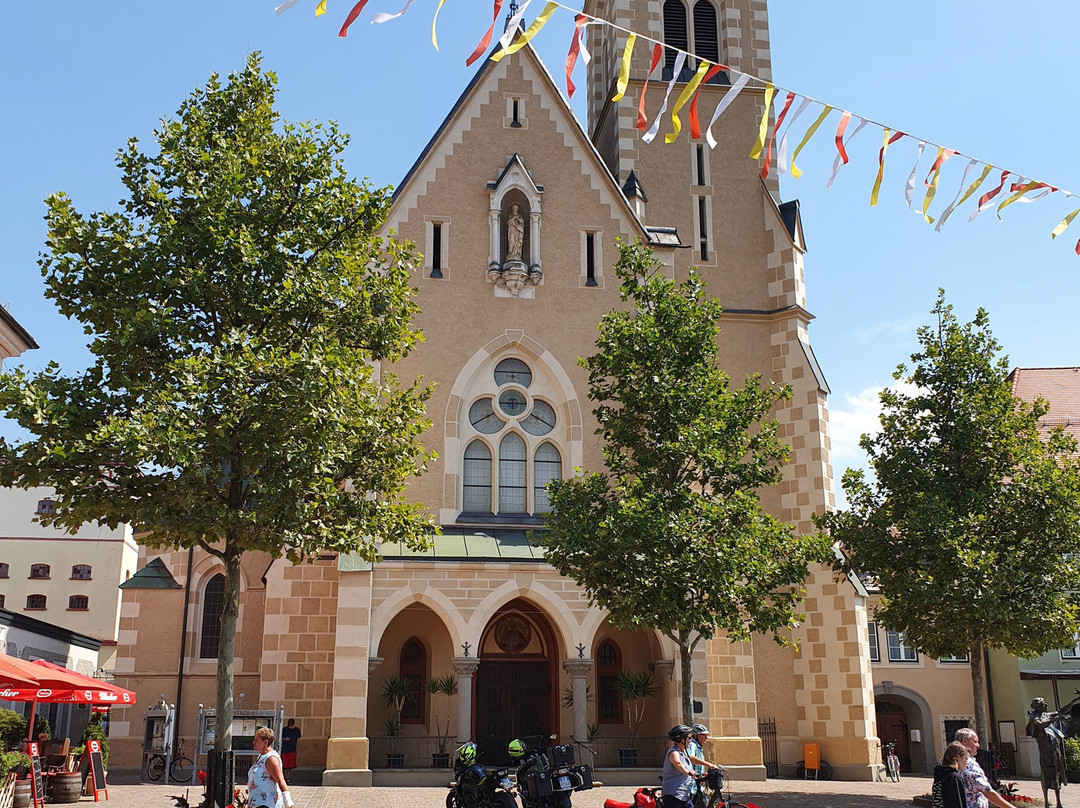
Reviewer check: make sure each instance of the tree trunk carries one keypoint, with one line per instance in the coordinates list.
(226, 650)
(686, 653)
(976, 659)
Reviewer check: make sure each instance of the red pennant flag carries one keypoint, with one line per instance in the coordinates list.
(840, 129)
(772, 138)
(575, 49)
(695, 127)
(352, 17)
(642, 121)
(482, 46)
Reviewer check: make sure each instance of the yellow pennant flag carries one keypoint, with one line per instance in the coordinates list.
(532, 31)
(1063, 225)
(434, 20)
(684, 96)
(321, 8)
(795, 170)
(1023, 189)
(931, 188)
(763, 127)
(624, 69)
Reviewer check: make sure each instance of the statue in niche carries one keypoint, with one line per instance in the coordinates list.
(515, 234)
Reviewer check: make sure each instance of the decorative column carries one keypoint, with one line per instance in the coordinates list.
(465, 669)
(495, 261)
(579, 670)
(534, 243)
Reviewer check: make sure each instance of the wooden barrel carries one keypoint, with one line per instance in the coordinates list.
(66, 787)
(22, 794)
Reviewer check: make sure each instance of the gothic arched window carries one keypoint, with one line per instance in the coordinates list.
(512, 463)
(413, 669)
(706, 32)
(213, 603)
(675, 34)
(547, 466)
(609, 705)
(477, 478)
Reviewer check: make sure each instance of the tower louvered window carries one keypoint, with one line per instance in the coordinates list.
(706, 40)
(675, 34)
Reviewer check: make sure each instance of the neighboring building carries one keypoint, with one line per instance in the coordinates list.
(516, 211)
(70, 580)
(28, 638)
(14, 339)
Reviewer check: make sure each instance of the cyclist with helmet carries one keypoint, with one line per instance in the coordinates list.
(677, 776)
(699, 734)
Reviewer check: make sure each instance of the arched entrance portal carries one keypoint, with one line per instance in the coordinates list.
(515, 682)
(900, 710)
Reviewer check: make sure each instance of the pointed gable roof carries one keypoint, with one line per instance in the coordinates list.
(467, 105)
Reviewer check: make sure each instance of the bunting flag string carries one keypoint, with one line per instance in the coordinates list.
(695, 126)
(642, 121)
(485, 40)
(960, 200)
(1023, 190)
(575, 49)
(781, 153)
(624, 69)
(534, 29)
(888, 141)
(689, 90)
(725, 102)
(772, 138)
(680, 60)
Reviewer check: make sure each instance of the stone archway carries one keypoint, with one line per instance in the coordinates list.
(516, 681)
(901, 710)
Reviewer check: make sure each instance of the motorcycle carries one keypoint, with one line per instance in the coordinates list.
(546, 776)
(476, 786)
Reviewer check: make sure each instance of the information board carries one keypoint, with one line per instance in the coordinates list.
(97, 769)
(37, 783)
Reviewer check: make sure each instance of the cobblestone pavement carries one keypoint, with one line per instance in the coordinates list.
(768, 794)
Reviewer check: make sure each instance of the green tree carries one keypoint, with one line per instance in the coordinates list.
(672, 536)
(971, 527)
(241, 305)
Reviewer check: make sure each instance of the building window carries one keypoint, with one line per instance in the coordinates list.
(39, 570)
(477, 478)
(955, 659)
(413, 669)
(547, 467)
(3, 601)
(899, 650)
(80, 572)
(35, 603)
(1071, 653)
(4, 570)
(45, 506)
(78, 603)
(875, 654)
(609, 705)
(675, 37)
(512, 474)
(212, 606)
(706, 32)
(513, 371)
(590, 259)
(435, 253)
(703, 227)
(699, 164)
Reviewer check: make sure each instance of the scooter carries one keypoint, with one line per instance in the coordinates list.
(476, 786)
(547, 775)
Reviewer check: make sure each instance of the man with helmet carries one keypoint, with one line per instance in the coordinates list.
(699, 734)
(677, 776)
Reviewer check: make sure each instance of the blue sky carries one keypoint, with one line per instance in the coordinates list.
(979, 77)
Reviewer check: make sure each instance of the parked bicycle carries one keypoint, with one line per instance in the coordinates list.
(181, 767)
(891, 761)
(824, 771)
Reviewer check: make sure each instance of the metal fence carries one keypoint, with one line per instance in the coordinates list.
(770, 753)
(600, 753)
(410, 753)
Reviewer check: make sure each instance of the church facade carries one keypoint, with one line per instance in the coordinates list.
(516, 207)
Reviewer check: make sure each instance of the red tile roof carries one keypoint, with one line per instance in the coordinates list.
(1060, 387)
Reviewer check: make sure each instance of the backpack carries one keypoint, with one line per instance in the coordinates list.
(647, 798)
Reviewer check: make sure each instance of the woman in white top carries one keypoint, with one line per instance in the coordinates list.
(266, 781)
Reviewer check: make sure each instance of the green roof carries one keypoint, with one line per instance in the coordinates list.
(155, 575)
(472, 544)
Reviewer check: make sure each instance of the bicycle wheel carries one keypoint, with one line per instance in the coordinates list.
(155, 767)
(825, 772)
(182, 769)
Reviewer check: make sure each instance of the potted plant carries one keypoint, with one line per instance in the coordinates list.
(634, 688)
(447, 687)
(1072, 759)
(394, 694)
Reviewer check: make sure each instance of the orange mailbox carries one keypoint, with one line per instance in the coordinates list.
(812, 756)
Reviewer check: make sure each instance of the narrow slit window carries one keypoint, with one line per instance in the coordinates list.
(436, 250)
(700, 164)
(515, 121)
(590, 259)
(703, 226)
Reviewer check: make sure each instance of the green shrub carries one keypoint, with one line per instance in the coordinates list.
(1072, 753)
(13, 762)
(95, 731)
(12, 729)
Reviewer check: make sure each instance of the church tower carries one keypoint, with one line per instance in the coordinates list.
(749, 247)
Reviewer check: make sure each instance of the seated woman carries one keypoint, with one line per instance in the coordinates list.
(948, 782)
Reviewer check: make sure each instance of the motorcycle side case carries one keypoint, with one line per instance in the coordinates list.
(585, 772)
(562, 755)
(538, 784)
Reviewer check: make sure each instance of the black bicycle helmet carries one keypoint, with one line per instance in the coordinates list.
(699, 729)
(680, 732)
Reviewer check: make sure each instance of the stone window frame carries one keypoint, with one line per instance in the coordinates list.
(596, 236)
(436, 267)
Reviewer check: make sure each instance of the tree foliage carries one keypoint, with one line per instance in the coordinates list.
(971, 526)
(672, 536)
(240, 304)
